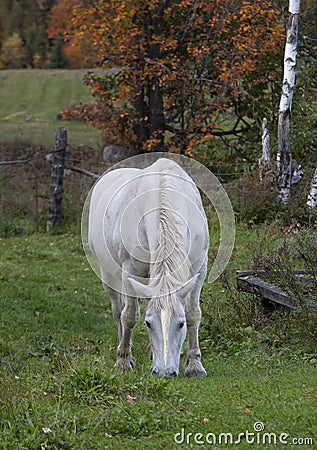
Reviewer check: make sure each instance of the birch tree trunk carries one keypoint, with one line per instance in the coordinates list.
(57, 178)
(265, 163)
(312, 196)
(284, 155)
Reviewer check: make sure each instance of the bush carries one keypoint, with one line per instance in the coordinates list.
(252, 203)
(296, 253)
(233, 324)
(280, 265)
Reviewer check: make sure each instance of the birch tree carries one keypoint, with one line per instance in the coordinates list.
(312, 196)
(265, 164)
(284, 155)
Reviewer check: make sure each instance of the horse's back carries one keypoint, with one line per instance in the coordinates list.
(125, 213)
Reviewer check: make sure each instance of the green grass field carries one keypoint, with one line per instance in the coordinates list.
(31, 101)
(58, 385)
(59, 388)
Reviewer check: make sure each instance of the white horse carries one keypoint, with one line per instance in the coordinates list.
(149, 233)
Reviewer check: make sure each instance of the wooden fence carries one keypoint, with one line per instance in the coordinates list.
(247, 175)
(270, 297)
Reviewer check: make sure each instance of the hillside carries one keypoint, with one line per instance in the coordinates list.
(31, 100)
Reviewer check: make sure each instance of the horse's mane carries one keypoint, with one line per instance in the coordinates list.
(169, 268)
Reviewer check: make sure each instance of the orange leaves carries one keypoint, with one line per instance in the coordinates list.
(130, 398)
(222, 388)
(256, 34)
(176, 68)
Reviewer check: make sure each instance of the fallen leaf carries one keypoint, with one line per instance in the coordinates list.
(222, 388)
(247, 411)
(130, 398)
(205, 420)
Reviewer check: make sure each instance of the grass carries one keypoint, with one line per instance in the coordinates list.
(31, 101)
(59, 389)
(58, 385)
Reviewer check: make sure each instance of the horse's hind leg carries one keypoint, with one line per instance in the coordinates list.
(117, 306)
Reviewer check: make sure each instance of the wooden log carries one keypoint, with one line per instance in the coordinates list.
(303, 275)
(57, 177)
(253, 285)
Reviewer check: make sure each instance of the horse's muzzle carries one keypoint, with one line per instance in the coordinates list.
(165, 373)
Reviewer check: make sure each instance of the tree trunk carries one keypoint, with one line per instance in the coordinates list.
(284, 155)
(57, 177)
(312, 196)
(265, 163)
(156, 108)
(156, 103)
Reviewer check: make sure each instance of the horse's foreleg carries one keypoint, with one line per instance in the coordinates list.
(194, 367)
(129, 317)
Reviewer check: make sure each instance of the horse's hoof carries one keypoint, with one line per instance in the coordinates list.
(125, 364)
(195, 369)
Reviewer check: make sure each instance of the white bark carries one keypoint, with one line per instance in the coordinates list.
(290, 54)
(284, 156)
(312, 196)
(265, 163)
(294, 6)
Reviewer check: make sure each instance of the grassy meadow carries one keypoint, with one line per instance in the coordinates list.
(59, 388)
(58, 385)
(31, 101)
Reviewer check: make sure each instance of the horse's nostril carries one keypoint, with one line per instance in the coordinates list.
(171, 374)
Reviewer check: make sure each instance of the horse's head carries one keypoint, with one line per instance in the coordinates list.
(166, 322)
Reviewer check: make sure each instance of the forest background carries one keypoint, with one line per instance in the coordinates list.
(207, 71)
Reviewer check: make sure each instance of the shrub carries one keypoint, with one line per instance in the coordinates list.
(280, 265)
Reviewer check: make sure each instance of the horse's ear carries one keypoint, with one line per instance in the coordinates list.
(141, 290)
(183, 291)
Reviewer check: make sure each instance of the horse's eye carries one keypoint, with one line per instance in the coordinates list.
(181, 324)
(147, 324)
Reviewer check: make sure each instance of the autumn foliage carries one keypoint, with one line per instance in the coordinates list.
(173, 67)
(177, 73)
(79, 52)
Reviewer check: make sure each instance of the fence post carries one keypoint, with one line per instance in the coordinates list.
(57, 176)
